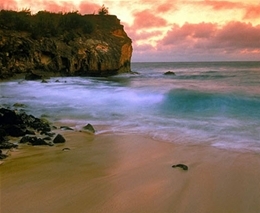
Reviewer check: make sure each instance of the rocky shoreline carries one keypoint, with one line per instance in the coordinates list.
(24, 128)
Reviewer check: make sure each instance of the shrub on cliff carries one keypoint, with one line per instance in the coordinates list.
(103, 10)
(15, 20)
(44, 23)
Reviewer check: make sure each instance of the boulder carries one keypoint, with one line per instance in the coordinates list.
(59, 139)
(89, 128)
(33, 140)
(15, 130)
(7, 145)
(169, 73)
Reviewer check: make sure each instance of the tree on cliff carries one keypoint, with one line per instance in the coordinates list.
(103, 10)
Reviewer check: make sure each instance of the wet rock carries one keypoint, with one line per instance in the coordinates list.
(35, 123)
(8, 145)
(8, 117)
(26, 126)
(169, 73)
(47, 138)
(182, 166)
(20, 105)
(2, 155)
(15, 131)
(66, 128)
(59, 139)
(33, 140)
(29, 132)
(89, 128)
(50, 134)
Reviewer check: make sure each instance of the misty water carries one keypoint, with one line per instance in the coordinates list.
(209, 103)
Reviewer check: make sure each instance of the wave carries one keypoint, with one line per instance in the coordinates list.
(192, 102)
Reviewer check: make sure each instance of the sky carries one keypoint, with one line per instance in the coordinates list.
(174, 30)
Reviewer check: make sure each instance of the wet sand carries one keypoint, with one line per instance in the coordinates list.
(118, 173)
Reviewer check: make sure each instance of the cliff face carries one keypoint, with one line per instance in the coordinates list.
(105, 51)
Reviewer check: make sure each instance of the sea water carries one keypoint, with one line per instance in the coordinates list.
(208, 103)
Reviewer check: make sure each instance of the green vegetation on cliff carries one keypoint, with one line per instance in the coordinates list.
(44, 23)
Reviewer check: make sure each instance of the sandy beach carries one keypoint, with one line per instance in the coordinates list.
(124, 173)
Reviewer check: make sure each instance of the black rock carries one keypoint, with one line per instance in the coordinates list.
(89, 128)
(8, 145)
(8, 117)
(59, 139)
(29, 132)
(182, 166)
(15, 130)
(33, 140)
(66, 128)
(47, 138)
(50, 134)
(25, 139)
(3, 156)
(169, 73)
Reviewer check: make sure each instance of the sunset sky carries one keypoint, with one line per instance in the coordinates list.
(175, 30)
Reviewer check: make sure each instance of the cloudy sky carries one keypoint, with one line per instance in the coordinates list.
(175, 30)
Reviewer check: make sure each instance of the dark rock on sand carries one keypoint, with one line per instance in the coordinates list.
(2, 155)
(182, 166)
(8, 117)
(66, 128)
(29, 132)
(15, 130)
(59, 139)
(35, 123)
(33, 140)
(7, 145)
(89, 128)
(50, 134)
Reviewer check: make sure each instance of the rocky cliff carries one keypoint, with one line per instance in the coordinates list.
(106, 50)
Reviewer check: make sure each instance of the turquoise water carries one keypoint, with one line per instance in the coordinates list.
(209, 103)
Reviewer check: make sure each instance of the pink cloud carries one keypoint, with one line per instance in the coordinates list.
(222, 5)
(62, 7)
(238, 35)
(252, 12)
(143, 35)
(146, 19)
(169, 6)
(190, 32)
(207, 41)
(144, 47)
(88, 8)
(8, 4)
(234, 34)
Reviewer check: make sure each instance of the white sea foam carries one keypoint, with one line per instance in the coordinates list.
(212, 103)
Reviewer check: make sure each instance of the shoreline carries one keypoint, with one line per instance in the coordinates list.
(111, 172)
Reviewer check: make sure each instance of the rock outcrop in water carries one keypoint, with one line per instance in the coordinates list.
(102, 49)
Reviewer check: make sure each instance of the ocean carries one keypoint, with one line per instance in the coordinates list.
(208, 103)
